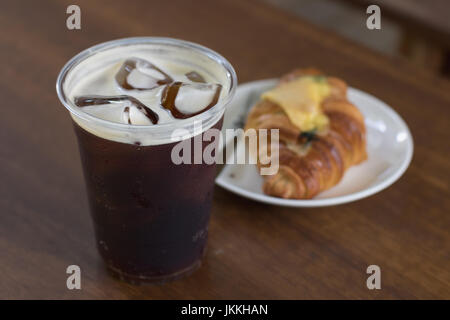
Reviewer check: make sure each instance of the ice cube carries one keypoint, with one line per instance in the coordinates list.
(195, 77)
(185, 100)
(107, 112)
(132, 115)
(129, 108)
(137, 117)
(140, 74)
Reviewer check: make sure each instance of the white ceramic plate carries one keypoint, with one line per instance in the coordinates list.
(389, 147)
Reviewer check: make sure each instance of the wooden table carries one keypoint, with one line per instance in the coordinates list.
(255, 250)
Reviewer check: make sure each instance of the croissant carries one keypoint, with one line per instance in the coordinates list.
(311, 161)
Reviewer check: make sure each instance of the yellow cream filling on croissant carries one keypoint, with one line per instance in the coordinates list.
(300, 100)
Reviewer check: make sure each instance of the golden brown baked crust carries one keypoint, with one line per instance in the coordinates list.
(312, 163)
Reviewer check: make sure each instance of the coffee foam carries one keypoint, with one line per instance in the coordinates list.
(96, 76)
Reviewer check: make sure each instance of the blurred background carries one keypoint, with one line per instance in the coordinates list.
(416, 30)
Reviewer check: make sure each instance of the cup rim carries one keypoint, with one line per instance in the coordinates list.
(204, 116)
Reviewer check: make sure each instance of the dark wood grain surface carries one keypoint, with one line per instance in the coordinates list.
(255, 250)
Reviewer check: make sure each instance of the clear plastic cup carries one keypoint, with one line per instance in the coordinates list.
(150, 215)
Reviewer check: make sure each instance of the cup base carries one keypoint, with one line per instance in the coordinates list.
(139, 279)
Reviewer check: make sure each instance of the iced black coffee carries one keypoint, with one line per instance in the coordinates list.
(132, 101)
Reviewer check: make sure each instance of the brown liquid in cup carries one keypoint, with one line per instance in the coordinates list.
(150, 215)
